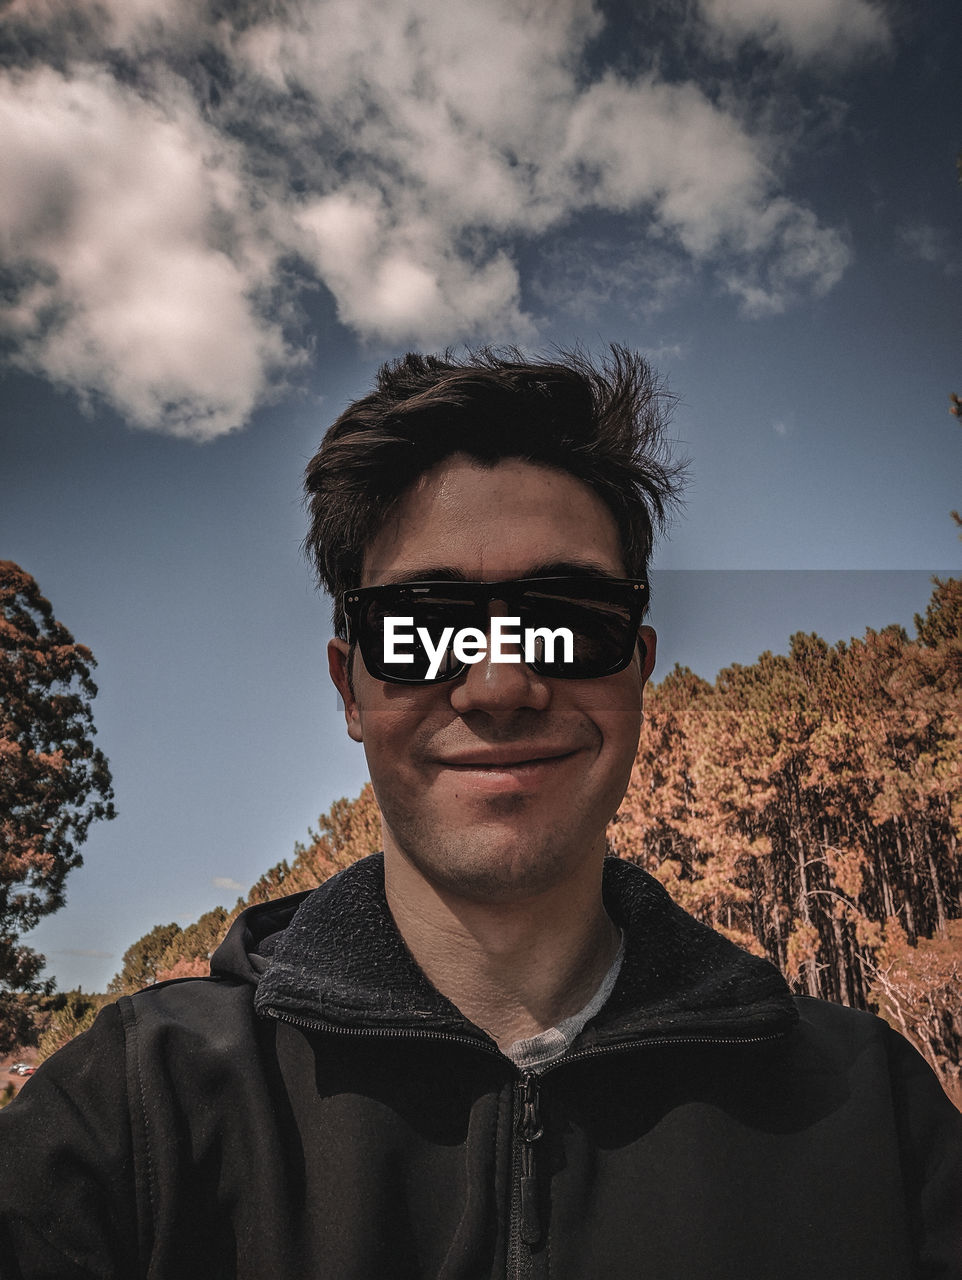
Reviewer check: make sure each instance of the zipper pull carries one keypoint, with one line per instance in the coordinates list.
(531, 1129)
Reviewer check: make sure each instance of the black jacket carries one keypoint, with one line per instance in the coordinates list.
(318, 1109)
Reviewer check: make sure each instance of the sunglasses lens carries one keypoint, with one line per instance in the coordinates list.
(603, 634)
(433, 615)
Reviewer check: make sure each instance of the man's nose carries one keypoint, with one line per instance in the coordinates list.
(502, 686)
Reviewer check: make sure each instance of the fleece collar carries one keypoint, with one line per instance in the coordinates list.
(341, 960)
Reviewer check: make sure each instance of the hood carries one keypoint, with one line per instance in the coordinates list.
(335, 955)
(249, 943)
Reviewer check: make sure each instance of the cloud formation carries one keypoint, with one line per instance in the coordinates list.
(134, 251)
(932, 245)
(833, 29)
(227, 882)
(172, 178)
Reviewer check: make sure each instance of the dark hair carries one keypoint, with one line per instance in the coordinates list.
(603, 423)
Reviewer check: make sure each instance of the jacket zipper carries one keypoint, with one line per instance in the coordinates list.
(525, 1226)
(620, 1046)
(316, 1024)
(531, 1129)
(524, 1230)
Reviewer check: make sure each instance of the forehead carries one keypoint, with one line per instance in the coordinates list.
(491, 522)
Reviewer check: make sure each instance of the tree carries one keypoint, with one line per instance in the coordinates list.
(142, 960)
(70, 1013)
(189, 951)
(348, 831)
(956, 410)
(916, 990)
(53, 782)
(955, 401)
(809, 806)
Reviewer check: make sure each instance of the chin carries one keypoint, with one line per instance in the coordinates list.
(493, 865)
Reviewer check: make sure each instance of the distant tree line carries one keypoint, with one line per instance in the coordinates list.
(348, 831)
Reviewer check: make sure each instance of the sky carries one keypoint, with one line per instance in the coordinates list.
(218, 217)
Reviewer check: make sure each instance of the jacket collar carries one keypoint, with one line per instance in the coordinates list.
(340, 960)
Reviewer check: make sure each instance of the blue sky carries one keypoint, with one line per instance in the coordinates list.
(217, 220)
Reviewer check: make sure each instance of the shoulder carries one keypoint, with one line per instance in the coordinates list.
(211, 1005)
(878, 1063)
(187, 1008)
(66, 1144)
(115, 1119)
(840, 1023)
(152, 1067)
(91, 1063)
(853, 1032)
(132, 1043)
(853, 1035)
(184, 1039)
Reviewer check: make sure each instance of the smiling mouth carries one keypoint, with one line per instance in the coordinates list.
(506, 764)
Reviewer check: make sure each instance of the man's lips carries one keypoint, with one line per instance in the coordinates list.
(507, 758)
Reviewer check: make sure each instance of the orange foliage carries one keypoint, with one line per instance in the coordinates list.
(53, 782)
(810, 807)
(185, 968)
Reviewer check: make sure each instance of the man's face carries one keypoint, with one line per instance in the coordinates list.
(498, 784)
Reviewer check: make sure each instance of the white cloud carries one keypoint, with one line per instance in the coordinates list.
(645, 143)
(226, 882)
(667, 352)
(832, 29)
(127, 226)
(401, 154)
(794, 255)
(924, 241)
(931, 244)
(393, 276)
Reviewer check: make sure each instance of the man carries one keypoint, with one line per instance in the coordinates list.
(489, 1051)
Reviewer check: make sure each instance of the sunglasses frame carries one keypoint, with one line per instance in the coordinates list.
(630, 592)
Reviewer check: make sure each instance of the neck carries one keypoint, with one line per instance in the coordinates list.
(513, 968)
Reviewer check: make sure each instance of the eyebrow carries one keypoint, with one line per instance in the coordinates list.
(546, 569)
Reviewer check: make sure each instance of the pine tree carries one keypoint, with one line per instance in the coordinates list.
(53, 782)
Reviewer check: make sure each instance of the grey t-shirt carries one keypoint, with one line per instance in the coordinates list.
(546, 1047)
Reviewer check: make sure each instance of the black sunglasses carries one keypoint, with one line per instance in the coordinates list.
(601, 616)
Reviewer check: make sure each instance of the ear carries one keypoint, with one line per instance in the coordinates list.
(649, 641)
(338, 663)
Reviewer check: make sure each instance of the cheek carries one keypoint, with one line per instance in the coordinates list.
(619, 752)
(392, 770)
(614, 704)
(621, 731)
(621, 749)
(393, 723)
(387, 736)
